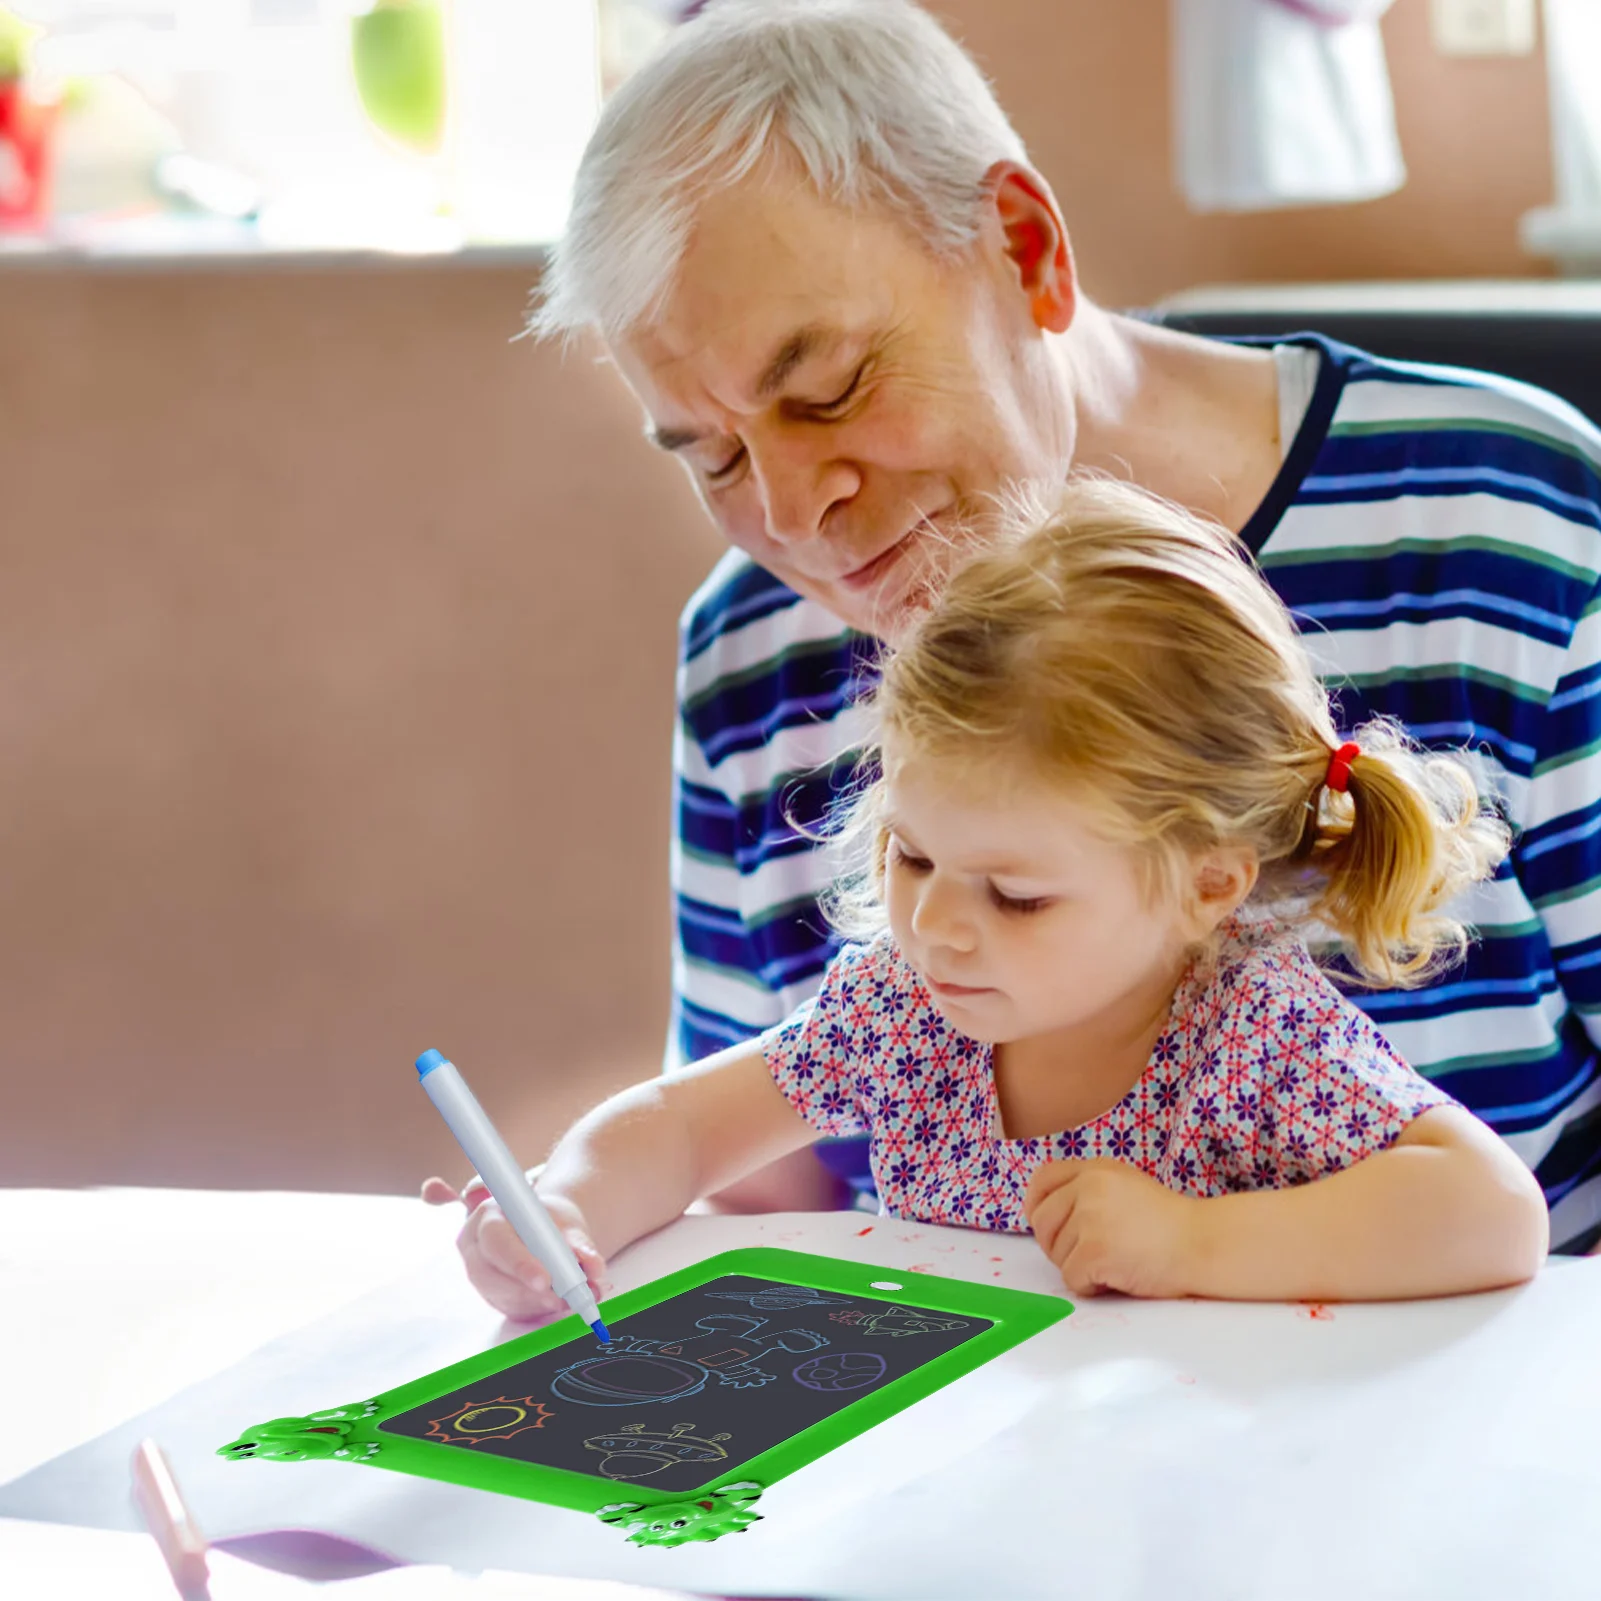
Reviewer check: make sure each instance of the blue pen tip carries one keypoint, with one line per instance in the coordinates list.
(428, 1061)
(600, 1332)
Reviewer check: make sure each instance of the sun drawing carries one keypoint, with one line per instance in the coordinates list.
(499, 1419)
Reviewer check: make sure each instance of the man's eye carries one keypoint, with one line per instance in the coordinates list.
(1021, 904)
(721, 475)
(825, 408)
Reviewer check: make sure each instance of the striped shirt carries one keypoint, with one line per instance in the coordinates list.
(1437, 535)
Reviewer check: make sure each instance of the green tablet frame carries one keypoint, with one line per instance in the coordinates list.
(353, 1433)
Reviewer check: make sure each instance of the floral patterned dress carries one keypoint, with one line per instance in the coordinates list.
(1263, 1077)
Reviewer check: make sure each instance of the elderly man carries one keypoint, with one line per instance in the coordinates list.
(818, 255)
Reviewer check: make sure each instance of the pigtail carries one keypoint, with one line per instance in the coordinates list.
(1398, 834)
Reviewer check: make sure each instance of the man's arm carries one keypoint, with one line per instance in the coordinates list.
(714, 958)
(1557, 855)
(1558, 851)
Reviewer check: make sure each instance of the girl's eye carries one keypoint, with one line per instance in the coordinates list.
(1021, 905)
(912, 864)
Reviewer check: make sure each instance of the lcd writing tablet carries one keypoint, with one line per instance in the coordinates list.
(718, 1379)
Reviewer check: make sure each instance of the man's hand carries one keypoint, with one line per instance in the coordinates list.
(498, 1264)
(1108, 1226)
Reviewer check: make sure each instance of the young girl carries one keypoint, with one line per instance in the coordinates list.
(1111, 799)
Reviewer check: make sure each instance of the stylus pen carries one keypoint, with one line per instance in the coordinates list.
(509, 1185)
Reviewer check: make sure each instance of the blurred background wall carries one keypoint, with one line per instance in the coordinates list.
(1087, 86)
(336, 642)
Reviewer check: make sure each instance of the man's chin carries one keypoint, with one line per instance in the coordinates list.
(864, 615)
(889, 611)
(897, 621)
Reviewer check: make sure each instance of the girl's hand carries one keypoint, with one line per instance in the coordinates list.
(1108, 1226)
(499, 1265)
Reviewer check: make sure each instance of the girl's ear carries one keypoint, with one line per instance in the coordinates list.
(1220, 880)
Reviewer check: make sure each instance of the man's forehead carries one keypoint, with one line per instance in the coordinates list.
(771, 269)
(760, 351)
(689, 388)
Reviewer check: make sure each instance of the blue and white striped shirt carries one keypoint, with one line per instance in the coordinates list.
(1437, 534)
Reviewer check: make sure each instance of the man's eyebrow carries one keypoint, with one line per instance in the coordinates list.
(801, 346)
(673, 438)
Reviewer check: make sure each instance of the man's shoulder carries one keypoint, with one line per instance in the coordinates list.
(769, 683)
(739, 601)
(1436, 491)
(1382, 397)
(734, 594)
(742, 622)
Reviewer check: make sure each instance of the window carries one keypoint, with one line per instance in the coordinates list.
(409, 125)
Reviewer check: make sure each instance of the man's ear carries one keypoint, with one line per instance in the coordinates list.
(1036, 243)
(1219, 883)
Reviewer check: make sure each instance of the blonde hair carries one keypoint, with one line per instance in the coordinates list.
(874, 103)
(1132, 653)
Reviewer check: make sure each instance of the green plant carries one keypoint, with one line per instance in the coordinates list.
(398, 54)
(16, 45)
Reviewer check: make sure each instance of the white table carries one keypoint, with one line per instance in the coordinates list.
(1444, 1449)
(190, 1283)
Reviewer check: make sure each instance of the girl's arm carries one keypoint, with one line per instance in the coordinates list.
(637, 1160)
(1447, 1208)
(629, 1166)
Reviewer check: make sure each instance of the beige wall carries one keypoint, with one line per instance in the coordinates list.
(337, 635)
(337, 631)
(1086, 83)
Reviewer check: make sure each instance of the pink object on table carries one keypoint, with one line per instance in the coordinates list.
(183, 1546)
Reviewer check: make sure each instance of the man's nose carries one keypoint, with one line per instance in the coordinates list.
(940, 916)
(800, 484)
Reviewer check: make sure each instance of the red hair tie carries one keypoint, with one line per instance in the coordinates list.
(1339, 773)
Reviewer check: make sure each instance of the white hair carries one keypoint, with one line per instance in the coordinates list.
(878, 105)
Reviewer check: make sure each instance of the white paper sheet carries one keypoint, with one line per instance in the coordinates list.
(1136, 1449)
(74, 1564)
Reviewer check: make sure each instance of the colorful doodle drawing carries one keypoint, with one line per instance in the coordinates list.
(725, 1510)
(501, 1419)
(627, 1378)
(896, 1322)
(839, 1372)
(636, 1452)
(778, 1297)
(637, 1370)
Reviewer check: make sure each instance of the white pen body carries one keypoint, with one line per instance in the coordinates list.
(509, 1185)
